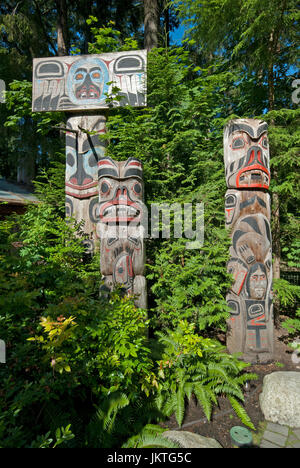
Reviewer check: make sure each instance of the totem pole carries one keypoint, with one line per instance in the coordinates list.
(83, 150)
(247, 211)
(121, 212)
(83, 85)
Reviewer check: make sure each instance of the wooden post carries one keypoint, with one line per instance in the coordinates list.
(247, 210)
(83, 151)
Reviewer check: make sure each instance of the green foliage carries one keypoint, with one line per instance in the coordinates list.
(286, 292)
(62, 434)
(150, 437)
(63, 342)
(293, 324)
(193, 365)
(179, 140)
(108, 39)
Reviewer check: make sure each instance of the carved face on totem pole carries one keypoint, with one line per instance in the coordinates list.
(246, 154)
(251, 261)
(121, 191)
(239, 203)
(120, 212)
(87, 81)
(83, 150)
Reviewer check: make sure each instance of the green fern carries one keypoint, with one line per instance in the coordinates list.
(199, 366)
(241, 412)
(150, 437)
(115, 403)
(180, 404)
(204, 399)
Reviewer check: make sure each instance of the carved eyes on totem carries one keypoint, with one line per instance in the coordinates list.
(81, 74)
(137, 189)
(239, 142)
(106, 188)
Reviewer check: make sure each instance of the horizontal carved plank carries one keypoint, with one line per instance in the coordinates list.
(84, 82)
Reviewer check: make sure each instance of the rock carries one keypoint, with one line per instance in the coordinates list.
(186, 439)
(280, 398)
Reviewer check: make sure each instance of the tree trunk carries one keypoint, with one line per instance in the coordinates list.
(62, 29)
(26, 170)
(151, 19)
(167, 23)
(271, 88)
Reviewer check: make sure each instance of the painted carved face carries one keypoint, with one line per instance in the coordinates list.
(246, 154)
(82, 153)
(120, 190)
(257, 284)
(87, 81)
(239, 203)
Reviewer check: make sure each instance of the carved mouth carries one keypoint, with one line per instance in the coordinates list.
(253, 176)
(91, 92)
(260, 292)
(120, 213)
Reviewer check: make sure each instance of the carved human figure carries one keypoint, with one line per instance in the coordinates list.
(83, 150)
(247, 214)
(121, 210)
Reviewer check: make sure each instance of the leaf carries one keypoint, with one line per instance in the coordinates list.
(203, 399)
(241, 412)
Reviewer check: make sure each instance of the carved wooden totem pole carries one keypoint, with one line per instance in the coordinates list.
(83, 151)
(84, 85)
(121, 212)
(247, 211)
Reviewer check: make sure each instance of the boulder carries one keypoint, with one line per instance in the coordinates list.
(280, 398)
(186, 439)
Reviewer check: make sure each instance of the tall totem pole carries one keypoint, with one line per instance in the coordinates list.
(121, 226)
(82, 86)
(247, 211)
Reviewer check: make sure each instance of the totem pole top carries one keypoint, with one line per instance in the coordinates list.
(83, 82)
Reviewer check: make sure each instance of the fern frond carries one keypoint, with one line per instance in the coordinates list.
(203, 398)
(149, 436)
(243, 378)
(241, 412)
(229, 390)
(217, 370)
(169, 405)
(151, 441)
(115, 404)
(180, 405)
(188, 389)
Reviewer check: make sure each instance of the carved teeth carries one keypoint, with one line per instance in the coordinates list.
(120, 210)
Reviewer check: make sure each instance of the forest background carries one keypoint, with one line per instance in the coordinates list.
(83, 371)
